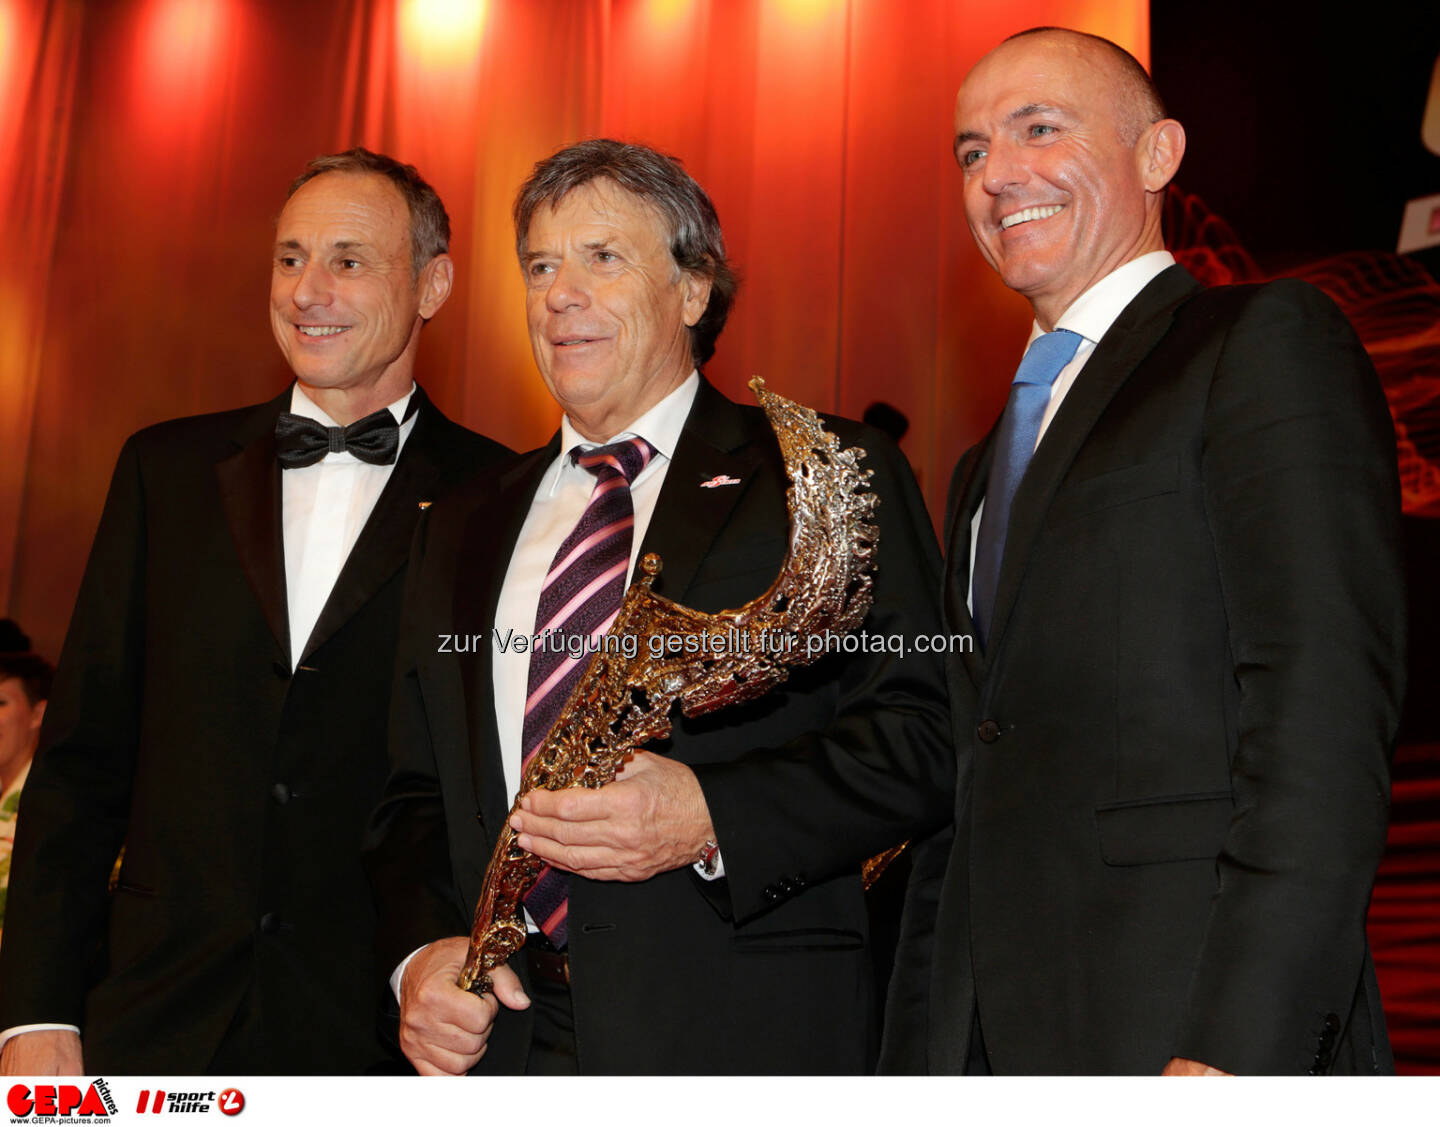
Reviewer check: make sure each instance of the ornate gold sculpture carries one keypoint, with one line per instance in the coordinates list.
(623, 702)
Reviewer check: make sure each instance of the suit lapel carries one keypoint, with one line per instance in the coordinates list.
(384, 543)
(250, 492)
(1128, 341)
(486, 545)
(687, 516)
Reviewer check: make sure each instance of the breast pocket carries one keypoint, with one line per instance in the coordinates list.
(733, 576)
(1116, 487)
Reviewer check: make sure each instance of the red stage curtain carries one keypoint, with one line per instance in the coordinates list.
(145, 146)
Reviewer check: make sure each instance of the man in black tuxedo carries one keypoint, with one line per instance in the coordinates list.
(1179, 549)
(712, 919)
(222, 694)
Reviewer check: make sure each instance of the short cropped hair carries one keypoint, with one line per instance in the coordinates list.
(429, 221)
(1142, 97)
(696, 243)
(35, 674)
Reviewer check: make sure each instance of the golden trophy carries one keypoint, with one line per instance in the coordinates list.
(621, 703)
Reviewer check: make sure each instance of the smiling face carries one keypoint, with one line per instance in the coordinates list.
(1055, 194)
(345, 303)
(609, 310)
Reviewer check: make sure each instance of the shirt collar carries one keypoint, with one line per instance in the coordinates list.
(302, 405)
(660, 426)
(1094, 311)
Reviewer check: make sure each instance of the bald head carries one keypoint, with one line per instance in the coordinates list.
(1066, 153)
(1137, 100)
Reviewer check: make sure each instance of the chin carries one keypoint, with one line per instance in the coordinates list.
(579, 386)
(325, 378)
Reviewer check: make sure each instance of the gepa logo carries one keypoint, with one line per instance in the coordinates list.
(45, 1101)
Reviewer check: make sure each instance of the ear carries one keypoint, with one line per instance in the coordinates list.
(436, 279)
(697, 296)
(1161, 148)
(37, 714)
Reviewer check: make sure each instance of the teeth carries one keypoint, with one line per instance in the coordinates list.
(321, 330)
(1030, 213)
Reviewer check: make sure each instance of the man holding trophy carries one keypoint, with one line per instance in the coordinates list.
(704, 912)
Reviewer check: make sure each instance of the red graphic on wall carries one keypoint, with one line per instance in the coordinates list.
(1392, 301)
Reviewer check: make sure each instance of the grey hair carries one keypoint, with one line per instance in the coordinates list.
(696, 243)
(429, 221)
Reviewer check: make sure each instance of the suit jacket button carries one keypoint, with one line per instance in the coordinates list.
(280, 793)
(770, 893)
(1332, 1025)
(989, 731)
(269, 923)
(787, 885)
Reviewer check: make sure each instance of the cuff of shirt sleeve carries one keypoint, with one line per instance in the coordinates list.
(399, 972)
(708, 874)
(16, 1030)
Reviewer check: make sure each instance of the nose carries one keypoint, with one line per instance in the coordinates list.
(1005, 167)
(569, 289)
(312, 287)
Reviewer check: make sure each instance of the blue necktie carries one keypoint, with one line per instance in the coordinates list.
(1014, 447)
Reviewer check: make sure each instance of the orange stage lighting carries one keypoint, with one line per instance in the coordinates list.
(7, 46)
(807, 11)
(666, 12)
(442, 32)
(182, 32)
(181, 42)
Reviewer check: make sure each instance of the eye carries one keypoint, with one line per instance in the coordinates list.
(606, 256)
(538, 269)
(970, 156)
(1041, 129)
(349, 264)
(288, 261)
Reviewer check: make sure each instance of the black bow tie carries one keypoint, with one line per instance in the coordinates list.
(302, 442)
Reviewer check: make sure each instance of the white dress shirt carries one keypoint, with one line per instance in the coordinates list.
(1091, 315)
(559, 502)
(323, 508)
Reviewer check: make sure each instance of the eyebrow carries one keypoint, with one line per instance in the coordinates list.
(343, 244)
(594, 244)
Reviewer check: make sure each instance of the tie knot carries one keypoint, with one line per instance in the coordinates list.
(1046, 356)
(625, 458)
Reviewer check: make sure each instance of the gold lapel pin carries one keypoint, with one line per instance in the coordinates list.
(424, 504)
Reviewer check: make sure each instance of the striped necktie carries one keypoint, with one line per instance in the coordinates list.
(1015, 441)
(579, 600)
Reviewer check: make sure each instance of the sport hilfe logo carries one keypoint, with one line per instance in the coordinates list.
(231, 1101)
(45, 1101)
